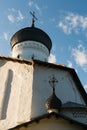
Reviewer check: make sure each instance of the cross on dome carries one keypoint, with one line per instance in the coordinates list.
(53, 103)
(33, 18)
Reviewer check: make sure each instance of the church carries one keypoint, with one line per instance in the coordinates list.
(36, 94)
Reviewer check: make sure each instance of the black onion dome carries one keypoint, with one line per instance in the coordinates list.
(53, 103)
(31, 33)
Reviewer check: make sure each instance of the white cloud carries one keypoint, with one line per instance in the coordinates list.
(70, 64)
(35, 6)
(11, 18)
(72, 22)
(15, 15)
(20, 16)
(85, 87)
(30, 3)
(80, 56)
(65, 28)
(5, 36)
(52, 58)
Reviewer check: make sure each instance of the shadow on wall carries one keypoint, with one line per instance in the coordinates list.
(2, 63)
(6, 94)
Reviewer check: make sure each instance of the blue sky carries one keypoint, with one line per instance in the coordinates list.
(65, 21)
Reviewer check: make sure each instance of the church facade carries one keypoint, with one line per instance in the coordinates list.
(35, 94)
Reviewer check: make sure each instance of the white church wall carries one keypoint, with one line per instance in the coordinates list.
(65, 88)
(29, 50)
(15, 93)
(24, 89)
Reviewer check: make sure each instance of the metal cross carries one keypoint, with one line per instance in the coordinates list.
(33, 18)
(52, 82)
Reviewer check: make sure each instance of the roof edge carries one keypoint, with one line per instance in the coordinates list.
(48, 115)
(29, 62)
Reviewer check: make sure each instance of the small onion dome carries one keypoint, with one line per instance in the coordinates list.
(53, 104)
(31, 34)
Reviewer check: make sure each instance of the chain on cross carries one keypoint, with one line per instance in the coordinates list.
(33, 18)
(53, 82)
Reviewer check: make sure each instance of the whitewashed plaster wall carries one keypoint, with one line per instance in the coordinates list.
(66, 89)
(30, 50)
(24, 89)
(15, 93)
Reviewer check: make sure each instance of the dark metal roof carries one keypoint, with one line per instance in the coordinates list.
(73, 105)
(33, 34)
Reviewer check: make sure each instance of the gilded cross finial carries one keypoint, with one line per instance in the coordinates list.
(53, 82)
(33, 18)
